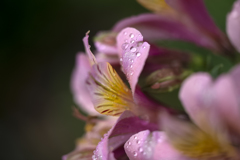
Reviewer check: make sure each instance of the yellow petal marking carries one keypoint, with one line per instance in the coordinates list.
(110, 95)
(195, 143)
(157, 6)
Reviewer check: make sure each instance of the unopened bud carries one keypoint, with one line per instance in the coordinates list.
(166, 79)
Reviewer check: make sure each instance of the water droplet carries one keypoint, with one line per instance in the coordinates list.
(144, 47)
(133, 49)
(131, 60)
(131, 35)
(138, 54)
(135, 154)
(125, 33)
(135, 137)
(129, 143)
(125, 40)
(131, 66)
(140, 149)
(124, 45)
(121, 59)
(132, 41)
(94, 157)
(138, 141)
(131, 73)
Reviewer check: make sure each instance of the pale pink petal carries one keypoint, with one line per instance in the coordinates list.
(112, 143)
(91, 57)
(147, 145)
(195, 94)
(233, 23)
(227, 102)
(133, 53)
(160, 27)
(78, 84)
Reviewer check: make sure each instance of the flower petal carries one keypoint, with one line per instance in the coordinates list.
(233, 23)
(151, 145)
(113, 141)
(195, 94)
(91, 57)
(193, 142)
(218, 99)
(133, 52)
(105, 42)
(159, 27)
(78, 84)
(196, 14)
(109, 94)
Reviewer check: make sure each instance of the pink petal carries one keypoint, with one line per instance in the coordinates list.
(133, 52)
(197, 15)
(78, 84)
(91, 57)
(116, 137)
(151, 145)
(218, 99)
(233, 23)
(157, 27)
(195, 94)
(227, 90)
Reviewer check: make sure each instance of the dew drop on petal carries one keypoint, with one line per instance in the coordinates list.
(135, 137)
(132, 41)
(125, 33)
(140, 149)
(124, 45)
(138, 141)
(131, 66)
(131, 35)
(129, 143)
(131, 73)
(133, 49)
(121, 59)
(135, 154)
(144, 47)
(138, 54)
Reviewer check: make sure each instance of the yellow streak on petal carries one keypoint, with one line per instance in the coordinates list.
(113, 96)
(195, 143)
(157, 6)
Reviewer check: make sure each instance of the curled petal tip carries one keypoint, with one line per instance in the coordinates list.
(91, 57)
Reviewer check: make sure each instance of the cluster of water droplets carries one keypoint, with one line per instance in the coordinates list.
(97, 154)
(143, 147)
(132, 47)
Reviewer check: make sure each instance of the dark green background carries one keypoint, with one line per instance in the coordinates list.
(39, 41)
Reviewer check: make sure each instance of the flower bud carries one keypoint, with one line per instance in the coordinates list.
(166, 79)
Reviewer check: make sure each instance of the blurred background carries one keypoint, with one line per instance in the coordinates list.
(39, 41)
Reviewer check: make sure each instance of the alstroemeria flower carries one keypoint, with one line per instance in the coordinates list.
(109, 93)
(233, 23)
(214, 108)
(178, 20)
